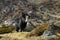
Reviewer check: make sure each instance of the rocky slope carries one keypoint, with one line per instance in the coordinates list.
(11, 9)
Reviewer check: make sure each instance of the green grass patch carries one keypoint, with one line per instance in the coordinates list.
(6, 29)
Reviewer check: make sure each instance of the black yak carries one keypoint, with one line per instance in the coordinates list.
(21, 22)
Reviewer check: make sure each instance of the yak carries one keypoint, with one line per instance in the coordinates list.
(21, 23)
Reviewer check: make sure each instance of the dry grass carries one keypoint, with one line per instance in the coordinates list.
(25, 36)
(18, 35)
(22, 36)
(39, 30)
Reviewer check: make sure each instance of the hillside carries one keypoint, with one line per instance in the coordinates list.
(40, 12)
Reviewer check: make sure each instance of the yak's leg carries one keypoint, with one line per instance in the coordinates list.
(17, 29)
(22, 29)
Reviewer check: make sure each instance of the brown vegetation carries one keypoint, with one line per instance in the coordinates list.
(39, 30)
